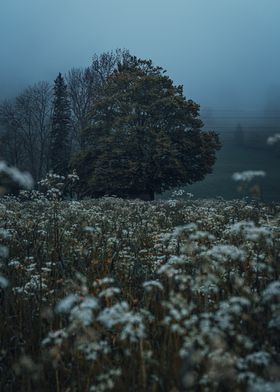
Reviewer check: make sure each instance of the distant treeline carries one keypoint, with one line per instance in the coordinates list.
(122, 123)
(245, 131)
(250, 137)
(27, 121)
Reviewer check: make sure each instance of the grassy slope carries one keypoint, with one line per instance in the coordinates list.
(233, 159)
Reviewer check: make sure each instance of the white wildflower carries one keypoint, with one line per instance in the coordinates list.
(225, 252)
(55, 337)
(273, 139)
(92, 350)
(67, 303)
(106, 381)
(83, 312)
(272, 291)
(264, 386)
(133, 327)
(248, 175)
(177, 193)
(260, 358)
(251, 231)
(109, 317)
(190, 227)
(4, 252)
(109, 292)
(4, 283)
(148, 285)
(23, 179)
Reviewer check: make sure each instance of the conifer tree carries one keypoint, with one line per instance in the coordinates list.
(59, 149)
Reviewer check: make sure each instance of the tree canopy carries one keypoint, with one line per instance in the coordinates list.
(144, 136)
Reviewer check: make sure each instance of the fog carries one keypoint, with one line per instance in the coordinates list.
(224, 52)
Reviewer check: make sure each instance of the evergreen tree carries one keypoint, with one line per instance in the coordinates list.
(59, 149)
(144, 136)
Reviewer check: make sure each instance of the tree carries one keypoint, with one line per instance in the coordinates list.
(144, 136)
(26, 122)
(84, 86)
(59, 150)
(11, 138)
(106, 63)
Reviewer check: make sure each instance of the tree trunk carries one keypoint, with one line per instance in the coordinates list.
(144, 195)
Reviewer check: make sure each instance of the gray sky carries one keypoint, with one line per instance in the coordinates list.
(225, 52)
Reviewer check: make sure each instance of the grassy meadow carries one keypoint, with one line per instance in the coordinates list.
(119, 295)
(232, 158)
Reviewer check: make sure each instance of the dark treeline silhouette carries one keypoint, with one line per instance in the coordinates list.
(246, 127)
(27, 121)
(121, 122)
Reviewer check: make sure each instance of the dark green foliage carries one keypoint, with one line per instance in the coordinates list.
(144, 136)
(59, 150)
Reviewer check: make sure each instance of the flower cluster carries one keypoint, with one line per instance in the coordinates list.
(248, 175)
(273, 139)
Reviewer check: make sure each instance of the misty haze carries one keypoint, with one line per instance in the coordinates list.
(139, 195)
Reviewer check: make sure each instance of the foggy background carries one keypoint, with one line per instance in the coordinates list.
(224, 52)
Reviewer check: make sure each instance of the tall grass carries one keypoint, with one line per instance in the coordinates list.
(132, 296)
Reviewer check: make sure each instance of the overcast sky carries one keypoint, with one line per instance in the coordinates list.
(226, 53)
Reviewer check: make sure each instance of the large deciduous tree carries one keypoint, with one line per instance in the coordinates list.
(59, 149)
(144, 136)
(84, 85)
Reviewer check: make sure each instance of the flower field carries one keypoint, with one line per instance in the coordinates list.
(121, 295)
